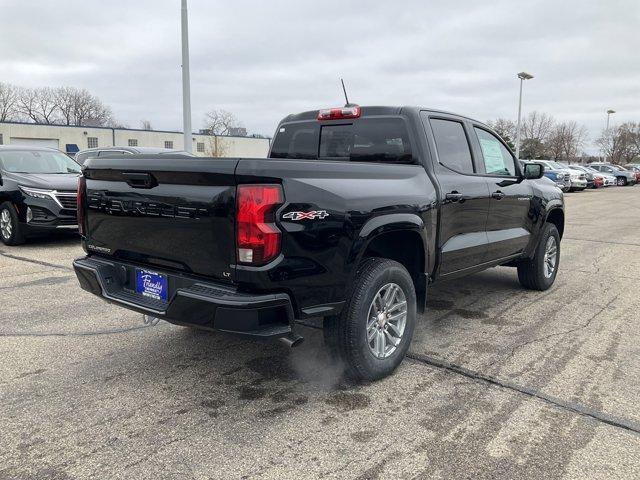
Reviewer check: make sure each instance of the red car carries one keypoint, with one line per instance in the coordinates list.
(598, 181)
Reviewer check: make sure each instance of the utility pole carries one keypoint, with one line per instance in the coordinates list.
(186, 82)
(522, 76)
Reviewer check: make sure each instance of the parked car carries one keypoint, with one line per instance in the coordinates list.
(355, 212)
(561, 176)
(608, 179)
(83, 155)
(623, 177)
(37, 192)
(635, 170)
(594, 180)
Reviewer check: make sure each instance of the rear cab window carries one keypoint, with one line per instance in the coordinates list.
(366, 139)
(452, 145)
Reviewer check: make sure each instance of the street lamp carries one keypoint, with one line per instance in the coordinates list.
(609, 112)
(186, 82)
(522, 76)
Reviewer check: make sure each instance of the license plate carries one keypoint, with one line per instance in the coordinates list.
(151, 284)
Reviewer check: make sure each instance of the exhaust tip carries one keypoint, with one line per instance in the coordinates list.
(292, 340)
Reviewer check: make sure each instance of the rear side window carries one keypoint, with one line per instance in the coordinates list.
(452, 145)
(297, 140)
(383, 140)
(497, 159)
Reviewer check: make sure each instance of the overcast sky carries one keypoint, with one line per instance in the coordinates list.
(264, 59)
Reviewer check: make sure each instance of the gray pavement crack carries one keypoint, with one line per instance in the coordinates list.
(601, 241)
(564, 332)
(574, 407)
(37, 262)
(73, 334)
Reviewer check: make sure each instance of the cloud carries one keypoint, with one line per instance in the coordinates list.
(263, 60)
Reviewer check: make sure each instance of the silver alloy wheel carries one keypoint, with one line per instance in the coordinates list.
(621, 182)
(5, 224)
(386, 320)
(550, 256)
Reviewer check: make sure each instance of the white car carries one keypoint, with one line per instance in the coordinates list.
(578, 179)
(609, 180)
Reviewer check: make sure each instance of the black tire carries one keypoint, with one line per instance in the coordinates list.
(16, 236)
(531, 273)
(346, 335)
(621, 182)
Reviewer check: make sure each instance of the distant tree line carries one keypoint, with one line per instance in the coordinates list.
(54, 105)
(542, 137)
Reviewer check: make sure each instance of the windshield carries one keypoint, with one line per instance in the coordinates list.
(37, 161)
(557, 166)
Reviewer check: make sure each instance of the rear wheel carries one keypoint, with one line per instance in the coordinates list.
(10, 231)
(373, 333)
(540, 272)
(621, 181)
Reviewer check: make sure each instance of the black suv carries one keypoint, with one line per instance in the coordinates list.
(37, 192)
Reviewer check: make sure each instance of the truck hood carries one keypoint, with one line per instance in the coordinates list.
(48, 181)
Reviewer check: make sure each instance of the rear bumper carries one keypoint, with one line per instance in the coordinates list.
(192, 302)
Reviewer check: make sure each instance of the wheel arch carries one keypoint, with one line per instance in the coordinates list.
(398, 237)
(556, 216)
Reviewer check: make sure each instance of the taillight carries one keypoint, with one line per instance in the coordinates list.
(339, 113)
(82, 190)
(258, 237)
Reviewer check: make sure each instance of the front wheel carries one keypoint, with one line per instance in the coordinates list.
(373, 333)
(539, 272)
(10, 231)
(621, 181)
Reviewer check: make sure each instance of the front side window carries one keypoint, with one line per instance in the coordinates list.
(92, 142)
(37, 161)
(497, 158)
(452, 145)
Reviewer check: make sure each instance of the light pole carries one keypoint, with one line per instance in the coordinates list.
(609, 112)
(186, 83)
(522, 76)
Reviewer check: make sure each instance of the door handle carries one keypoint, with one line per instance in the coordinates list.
(454, 196)
(497, 195)
(139, 179)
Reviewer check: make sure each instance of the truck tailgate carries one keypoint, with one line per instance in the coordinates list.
(173, 213)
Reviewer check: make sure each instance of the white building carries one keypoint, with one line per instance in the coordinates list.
(70, 139)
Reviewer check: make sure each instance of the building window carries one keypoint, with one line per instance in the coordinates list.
(1, 140)
(200, 147)
(168, 144)
(133, 142)
(92, 142)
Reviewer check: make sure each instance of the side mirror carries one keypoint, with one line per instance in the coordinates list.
(533, 171)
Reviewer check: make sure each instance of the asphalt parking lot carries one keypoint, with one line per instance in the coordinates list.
(500, 383)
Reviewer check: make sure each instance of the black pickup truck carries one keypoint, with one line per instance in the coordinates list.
(355, 212)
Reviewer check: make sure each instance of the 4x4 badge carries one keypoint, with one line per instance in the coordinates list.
(295, 216)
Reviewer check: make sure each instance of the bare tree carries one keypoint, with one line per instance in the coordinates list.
(27, 103)
(566, 141)
(145, 125)
(218, 147)
(613, 144)
(220, 122)
(8, 102)
(90, 111)
(630, 132)
(506, 129)
(538, 126)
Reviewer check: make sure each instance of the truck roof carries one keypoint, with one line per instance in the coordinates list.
(377, 110)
